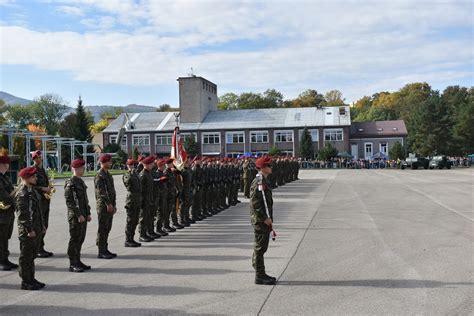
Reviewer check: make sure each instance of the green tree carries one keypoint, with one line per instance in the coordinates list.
(99, 126)
(397, 152)
(272, 98)
(3, 110)
(274, 151)
(309, 98)
(84, 122)
(250, 100)
(68, 126)
(306, 145)
(49, 110)
(164, 108)
(228, 101)
(328, 152)
(191, 146)
(463, 130)
(20, 115)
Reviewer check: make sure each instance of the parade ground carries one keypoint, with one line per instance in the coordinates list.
(377, 242)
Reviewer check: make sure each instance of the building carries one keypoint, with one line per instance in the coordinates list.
(374, 138)
(229, 133)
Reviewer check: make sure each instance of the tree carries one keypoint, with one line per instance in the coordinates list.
(99, 126)
(309, 98)
(328, 152)
(164, 108)
(306, 145)
(48, 110)
(68, 126)
(191, 146)
(274, 151)
(136, 153)
(250, 100)
(463, 130)
(84, 121)
(228, 101)
(334, 98)
(397, 152)
(20, 115)
(3, 109)
(272, 99)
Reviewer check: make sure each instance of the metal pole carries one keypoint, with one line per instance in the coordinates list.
(28, 150)
(58, 153)
(10, 142)
(43, 153)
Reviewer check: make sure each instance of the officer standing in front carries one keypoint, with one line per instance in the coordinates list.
(106, 205)
(260, 206)
(78, 214)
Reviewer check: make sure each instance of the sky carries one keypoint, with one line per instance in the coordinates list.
(119, 52)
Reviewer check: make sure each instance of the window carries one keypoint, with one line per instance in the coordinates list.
(283, 136)
(141, 140)
(211, 138)
(186, 135)
(384, 148)
(163, 139)
(333, 135)
(259, 137)
(368, 150)
(259, 153)
(234, 137)
(235, 154)
(113, 140)
(314, 135)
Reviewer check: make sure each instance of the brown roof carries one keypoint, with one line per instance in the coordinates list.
(378, 129)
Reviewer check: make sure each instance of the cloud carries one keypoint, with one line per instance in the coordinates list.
(356, 47)
(70, 10)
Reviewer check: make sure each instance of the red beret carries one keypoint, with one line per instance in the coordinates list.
(36, 153)
(140, 158)
(263, 162)
(148, 160)
(105, 158)
(27, 172)
(77, 163)
(4, 159)
(169, 160)
(131, 162)
(161, 162)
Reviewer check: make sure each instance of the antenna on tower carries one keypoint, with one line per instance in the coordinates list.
(192, 73)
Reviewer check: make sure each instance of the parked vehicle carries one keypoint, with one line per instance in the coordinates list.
(440, 162)
(414, 162)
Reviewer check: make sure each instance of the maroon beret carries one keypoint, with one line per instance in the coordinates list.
(36, 153)
(77, 163)
(105, 158)
(27, 172)
(140, 158)
(4, 159)
(169, 160)
(148, 160)
(263, 162)
(131, 162)
(161, 162)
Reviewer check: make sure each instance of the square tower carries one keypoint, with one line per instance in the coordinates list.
(197, 96)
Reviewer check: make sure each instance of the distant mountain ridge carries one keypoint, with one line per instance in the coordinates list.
(96, 110)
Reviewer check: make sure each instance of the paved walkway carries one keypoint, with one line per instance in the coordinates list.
(350, 242)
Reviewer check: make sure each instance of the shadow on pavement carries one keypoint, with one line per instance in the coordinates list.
(383, 283)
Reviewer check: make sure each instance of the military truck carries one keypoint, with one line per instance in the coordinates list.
(440, 162)
(414, 162)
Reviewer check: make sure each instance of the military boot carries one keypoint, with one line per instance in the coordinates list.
(30, 286)
(264, 279)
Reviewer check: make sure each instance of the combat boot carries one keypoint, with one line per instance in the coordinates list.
(132, 243)
(30, 286)
(84, 266)
(264, 279)
(4, 266)
(111, 253)
(104, 255)
(161, 232)
(10, 264)
(145, 238)
(41, 284)
(75, 268)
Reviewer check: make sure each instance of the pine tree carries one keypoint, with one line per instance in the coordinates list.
(306, 146)
(191, 146)
(84, 122)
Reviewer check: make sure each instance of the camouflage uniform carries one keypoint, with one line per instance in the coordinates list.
(185, 196)
(75, 192)
(160, 193)
(147, 203)
(132, 183)
(7, 217)
(104, 194)
(42, 180)
(197, 174)
(30, 218)
(261, 230)
(171, 198)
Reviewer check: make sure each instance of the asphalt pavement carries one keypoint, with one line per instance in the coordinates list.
(349, 242)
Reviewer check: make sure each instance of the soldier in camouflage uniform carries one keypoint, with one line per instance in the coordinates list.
(7, 214)
(260, 221)
(171, 197)
(105, 196)
(78, 215)
(131, 180)
(42, 186)
(30, 227)
(197, 174)
(185, 195)
(161, 197)
(206, 188)
(147, 201)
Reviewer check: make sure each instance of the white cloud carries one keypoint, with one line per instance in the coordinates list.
(357, 47)
(70, 10)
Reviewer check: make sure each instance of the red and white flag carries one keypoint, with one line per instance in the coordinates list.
(177, 149)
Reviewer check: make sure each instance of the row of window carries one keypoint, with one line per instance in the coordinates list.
(209, 87)
(232, 137)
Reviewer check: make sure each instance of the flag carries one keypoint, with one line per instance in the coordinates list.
(177, 150)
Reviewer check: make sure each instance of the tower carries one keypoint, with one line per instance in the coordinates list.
(197, 96)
